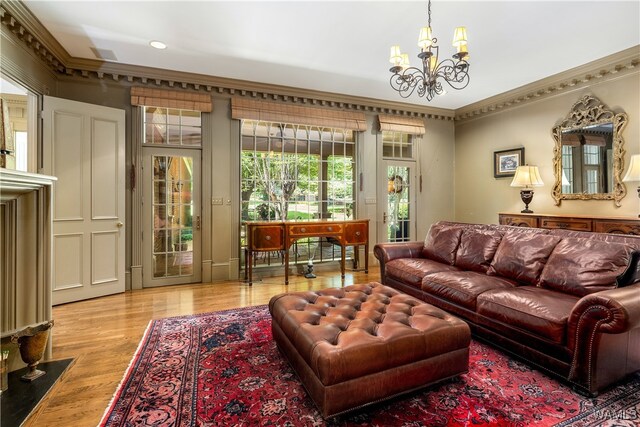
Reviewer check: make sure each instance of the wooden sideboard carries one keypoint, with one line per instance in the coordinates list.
(280, 235)
(573, 222)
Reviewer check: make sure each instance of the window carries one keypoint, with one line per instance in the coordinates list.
(297, 172)
(397, 145)
(172, 127)
(567, 169)
(592, 168)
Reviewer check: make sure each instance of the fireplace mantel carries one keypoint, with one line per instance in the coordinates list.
(14, 184)
(25, 252)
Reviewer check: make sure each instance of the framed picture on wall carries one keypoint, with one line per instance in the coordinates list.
(506, 162)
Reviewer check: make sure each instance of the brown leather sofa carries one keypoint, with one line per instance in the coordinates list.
(566, 302)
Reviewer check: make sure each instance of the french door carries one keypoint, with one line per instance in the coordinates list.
(397, 212)
(172, 210)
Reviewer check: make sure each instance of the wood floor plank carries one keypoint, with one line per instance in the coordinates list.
(103, 333)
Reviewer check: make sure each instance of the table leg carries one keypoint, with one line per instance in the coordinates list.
(342, 253)
(246, 264)
(286, 266)
(356, 256)
(250, 262)
(366, 257)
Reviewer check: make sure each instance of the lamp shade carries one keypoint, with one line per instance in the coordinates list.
(459, 36)
(633, 173)
(425, 38)
(395, 56)
(527, 176)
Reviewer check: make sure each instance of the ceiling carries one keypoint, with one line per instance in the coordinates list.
(343, 46)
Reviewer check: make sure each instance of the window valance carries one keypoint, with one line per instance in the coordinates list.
(253, 109)
(412, 125)
(171, 99)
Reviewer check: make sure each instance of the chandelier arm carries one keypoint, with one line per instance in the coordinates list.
(456, 74)
(407, 82)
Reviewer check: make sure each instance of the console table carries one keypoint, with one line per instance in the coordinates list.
(619, 225)
(265, 236)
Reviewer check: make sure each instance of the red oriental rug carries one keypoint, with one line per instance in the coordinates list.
(223, 369)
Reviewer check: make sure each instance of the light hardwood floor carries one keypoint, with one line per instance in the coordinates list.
(102, 334)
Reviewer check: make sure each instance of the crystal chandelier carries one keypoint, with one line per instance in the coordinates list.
(427, 81)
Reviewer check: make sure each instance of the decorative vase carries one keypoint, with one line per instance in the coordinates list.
(32, 342)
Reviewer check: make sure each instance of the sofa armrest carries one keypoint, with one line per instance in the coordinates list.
(386, 252)
(613, 311)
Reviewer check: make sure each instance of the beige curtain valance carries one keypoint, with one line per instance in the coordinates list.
(253, 109)
(171, 99)
(412, 125)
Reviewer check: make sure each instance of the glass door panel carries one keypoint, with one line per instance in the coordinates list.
(398, 203)
(174, 228)
(398, 193)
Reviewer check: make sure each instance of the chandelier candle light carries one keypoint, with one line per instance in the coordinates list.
(427, 81)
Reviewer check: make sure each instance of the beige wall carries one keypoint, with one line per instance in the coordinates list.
(436, 202)
(479, 196)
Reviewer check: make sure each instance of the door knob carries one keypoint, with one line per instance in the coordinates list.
(120, 224)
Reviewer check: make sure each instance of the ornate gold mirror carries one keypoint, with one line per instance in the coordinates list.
(588, 156)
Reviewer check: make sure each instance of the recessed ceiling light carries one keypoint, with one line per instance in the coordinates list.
(157, 44)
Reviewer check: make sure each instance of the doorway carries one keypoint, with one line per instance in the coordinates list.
(172, 215)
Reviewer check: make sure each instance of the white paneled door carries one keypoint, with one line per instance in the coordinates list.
(84, 148)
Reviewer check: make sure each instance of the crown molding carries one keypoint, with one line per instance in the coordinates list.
(157, 77)
(20, 21)
(607, 68)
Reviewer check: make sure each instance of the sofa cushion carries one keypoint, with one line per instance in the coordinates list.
(477, 248)
(522, 256)
(583, 266)
(441, 243)
(463, 287)
(540, 311)
(412, 270)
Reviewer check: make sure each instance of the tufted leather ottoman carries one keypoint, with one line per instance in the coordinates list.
(360, 344)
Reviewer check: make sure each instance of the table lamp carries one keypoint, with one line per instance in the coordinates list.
(526, 177)
(633, 173)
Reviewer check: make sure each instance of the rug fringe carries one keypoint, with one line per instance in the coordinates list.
(127, 373)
